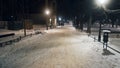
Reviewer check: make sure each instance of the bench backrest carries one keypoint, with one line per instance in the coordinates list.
(7, 35)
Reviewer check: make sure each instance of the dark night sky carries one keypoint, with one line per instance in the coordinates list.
(64, 7)
(70, 7)
(74, 7)
(12, 7)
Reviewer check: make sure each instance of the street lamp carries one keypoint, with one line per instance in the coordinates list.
(59, 18)
(101, 4)
(47, 12)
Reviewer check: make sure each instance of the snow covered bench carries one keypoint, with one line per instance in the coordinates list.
(7, 35)
(7, 39)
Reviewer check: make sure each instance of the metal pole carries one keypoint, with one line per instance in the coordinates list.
(24, 25)
(99, 35)
(46, 6)
(46, 23)
(24, 28)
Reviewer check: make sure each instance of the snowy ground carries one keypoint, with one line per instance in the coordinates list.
(63, 47)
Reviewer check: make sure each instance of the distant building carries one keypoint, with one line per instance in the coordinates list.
(54, 15)
(52, 5)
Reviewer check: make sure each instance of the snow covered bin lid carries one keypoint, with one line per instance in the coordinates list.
(107, 31)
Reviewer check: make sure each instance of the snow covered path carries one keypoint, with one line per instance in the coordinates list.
(59, 48)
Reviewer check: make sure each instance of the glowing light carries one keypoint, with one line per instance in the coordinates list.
(47, 12)
(50, 19)
(102, 2)
(60, 18)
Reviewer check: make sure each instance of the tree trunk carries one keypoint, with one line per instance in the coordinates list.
(89, 25)
(81, 25)
(112, 24)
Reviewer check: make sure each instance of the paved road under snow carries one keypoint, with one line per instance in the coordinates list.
(63, 47)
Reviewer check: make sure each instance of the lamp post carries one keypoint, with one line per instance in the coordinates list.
(99, 35)
(101, 4)
(60, 20)
(47, 12)
(24, 24)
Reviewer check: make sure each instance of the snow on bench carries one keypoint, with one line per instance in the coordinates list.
(7, 35)
(7, 39)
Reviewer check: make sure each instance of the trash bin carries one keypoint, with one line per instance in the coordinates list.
(105, 38)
